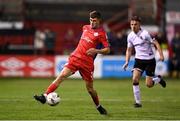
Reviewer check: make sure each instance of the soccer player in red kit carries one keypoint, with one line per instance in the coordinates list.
(82, 59)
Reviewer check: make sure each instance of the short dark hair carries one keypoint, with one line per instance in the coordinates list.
(95, 14)
(136, 18)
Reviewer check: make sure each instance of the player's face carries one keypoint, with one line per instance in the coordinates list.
(94, 22)
(135, 26)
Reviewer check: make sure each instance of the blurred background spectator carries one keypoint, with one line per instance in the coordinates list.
(49, 41)
(161, 37)
(175, 60)
(39, 40)
(69, 41)
(118, 42)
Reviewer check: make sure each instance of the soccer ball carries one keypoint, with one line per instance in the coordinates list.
(53, 99)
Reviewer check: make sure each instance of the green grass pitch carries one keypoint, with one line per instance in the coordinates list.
(17, 103)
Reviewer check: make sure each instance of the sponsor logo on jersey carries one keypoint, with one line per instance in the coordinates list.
(96, 34)
(87, 39)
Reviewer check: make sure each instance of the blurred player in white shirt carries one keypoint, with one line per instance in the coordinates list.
(141, 41)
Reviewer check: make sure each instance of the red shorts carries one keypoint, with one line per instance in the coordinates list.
(85, 69)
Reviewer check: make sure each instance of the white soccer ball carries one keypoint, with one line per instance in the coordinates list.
(53, 99)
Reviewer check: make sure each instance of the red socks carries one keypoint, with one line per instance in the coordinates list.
(51, 88)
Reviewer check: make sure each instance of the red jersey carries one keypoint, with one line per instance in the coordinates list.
(90, 38)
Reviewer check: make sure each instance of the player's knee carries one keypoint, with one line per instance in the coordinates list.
(149, 82)
(62, 77)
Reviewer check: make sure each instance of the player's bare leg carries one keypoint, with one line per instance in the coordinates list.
(66, 72)
(136, 88)
(151, 81)
(94, 96)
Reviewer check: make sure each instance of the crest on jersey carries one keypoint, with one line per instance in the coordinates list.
(96, 34)
(141, 37)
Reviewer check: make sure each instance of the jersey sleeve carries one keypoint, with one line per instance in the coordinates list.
(129, 43)
(104, 40)
(83, 28)
(148, 37)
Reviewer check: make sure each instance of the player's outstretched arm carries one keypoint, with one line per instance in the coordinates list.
(155, 42)
(128, 55)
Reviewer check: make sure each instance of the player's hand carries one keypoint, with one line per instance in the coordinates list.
(125, 66)
(161, 58)
(91, 51)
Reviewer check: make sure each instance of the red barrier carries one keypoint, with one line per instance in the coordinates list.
(27, 66)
